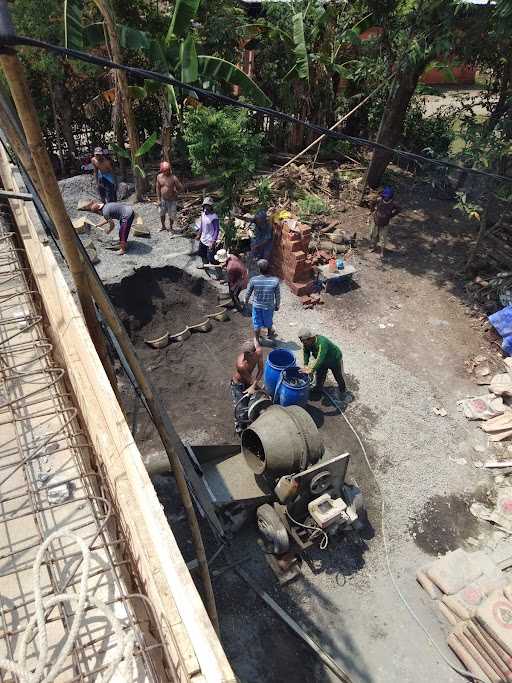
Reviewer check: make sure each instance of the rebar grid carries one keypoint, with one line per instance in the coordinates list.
(33, 393)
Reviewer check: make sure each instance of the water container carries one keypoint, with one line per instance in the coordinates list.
(277, 361)
(293, 388)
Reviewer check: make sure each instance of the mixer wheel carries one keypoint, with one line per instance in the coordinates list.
(272, 529)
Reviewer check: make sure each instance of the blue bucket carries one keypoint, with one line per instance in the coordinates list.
(293, 388)
(277, 361)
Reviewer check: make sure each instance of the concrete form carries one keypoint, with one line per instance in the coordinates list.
(60, 423)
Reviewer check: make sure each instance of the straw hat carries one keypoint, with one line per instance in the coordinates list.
(222, 256)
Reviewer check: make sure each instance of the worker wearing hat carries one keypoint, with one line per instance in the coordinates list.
(327, 357)
(236, 272)
(167, 188)
(104, 175)
(208, 229)
(248, 373)
(111, 211)
(383, 210)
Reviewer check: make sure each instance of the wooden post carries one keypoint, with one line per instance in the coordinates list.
(18, 85)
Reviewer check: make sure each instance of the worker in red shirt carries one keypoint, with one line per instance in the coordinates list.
(236, 272)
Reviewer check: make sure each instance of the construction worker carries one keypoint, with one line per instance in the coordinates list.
(383, 210)
(264, 288)
(104, 175)
(248, 372)
(167, 188)
(115, 211)
(208, 228)
(327, 356)
(236, 272)
(261, 241)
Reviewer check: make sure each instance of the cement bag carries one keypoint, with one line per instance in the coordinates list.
(501, 384)
(482, 407)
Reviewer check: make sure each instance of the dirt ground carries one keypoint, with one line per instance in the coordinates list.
(405, 330)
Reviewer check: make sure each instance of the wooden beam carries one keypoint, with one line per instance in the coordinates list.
(191, 639)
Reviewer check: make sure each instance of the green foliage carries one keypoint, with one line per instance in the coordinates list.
(311, 205)
(221, 144)
(264, 191)
(184, 12)
(468, 208)
(73, 37)
(217, 69)
(146, 147)
(432, 135)
(300, 49)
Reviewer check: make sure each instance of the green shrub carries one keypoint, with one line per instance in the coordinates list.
(222, 144)
(311, 205)
(264, 191)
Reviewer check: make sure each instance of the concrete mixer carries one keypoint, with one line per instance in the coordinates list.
(282, 474)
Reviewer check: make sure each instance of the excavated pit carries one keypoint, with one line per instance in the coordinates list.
(193, 376)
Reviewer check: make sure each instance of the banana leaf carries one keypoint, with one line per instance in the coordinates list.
(146, 145)
(300, 49)
(131, 38)
(120, 151)
(73, 24)
(137, 92)
(214, 68)
(188, 58)
(171, 99)
(184, 12)
(93, 35)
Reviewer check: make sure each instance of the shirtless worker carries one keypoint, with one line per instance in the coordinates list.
(244, 382)
(167, 188)
(104, 175)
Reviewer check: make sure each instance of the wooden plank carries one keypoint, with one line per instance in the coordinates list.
(194, 647)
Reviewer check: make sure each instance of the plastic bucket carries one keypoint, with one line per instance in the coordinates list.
(293, 388)
(277, 361)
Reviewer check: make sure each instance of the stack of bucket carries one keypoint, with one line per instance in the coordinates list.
(284, 381)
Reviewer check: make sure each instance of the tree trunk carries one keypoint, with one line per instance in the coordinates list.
(65, 114)
(56, 123)
(391, 125)
(166, 130)
(117, 125)
(122, 82)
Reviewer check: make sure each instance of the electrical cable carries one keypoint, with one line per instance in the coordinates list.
(9, 39)
(430, 638)
(316, 530)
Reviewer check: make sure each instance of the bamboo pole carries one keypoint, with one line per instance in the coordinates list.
(18, 85)
(170, 438)
(18, 143)
(333, 127)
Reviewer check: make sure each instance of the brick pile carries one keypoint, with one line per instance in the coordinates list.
(290, 255)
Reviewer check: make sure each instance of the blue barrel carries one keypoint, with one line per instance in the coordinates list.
(293, 388)
(277, 361)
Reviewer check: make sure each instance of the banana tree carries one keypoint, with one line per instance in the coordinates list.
(319, 41)
(146, 147)
(76, 36)
(177, 54)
